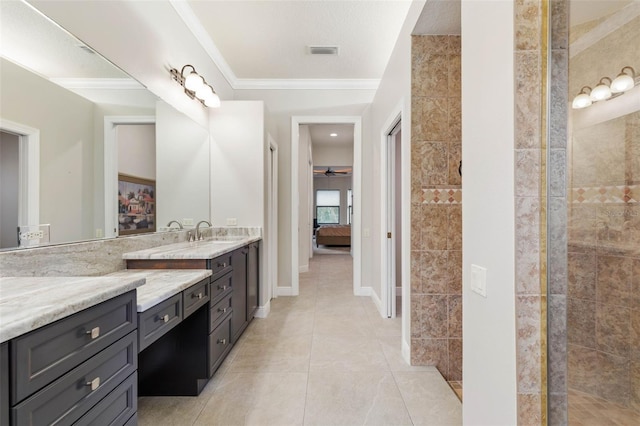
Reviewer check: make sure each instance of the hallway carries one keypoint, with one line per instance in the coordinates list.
(322, 358)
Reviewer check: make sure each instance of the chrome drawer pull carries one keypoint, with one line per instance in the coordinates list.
(223, 310)
(94, 383)
(164, 318)
(223, 341)
(224, 287)
(222, 265)
(199, 296)
(94, 332)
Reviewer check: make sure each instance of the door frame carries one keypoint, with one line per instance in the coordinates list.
(390, 284)
(111, 122)
(398, 113)
(296, 121)
(29, 171)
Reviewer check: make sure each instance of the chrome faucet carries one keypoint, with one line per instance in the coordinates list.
(198, 234)
(174, 221)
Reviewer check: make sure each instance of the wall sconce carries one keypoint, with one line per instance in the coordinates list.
(606, 89)
(195, 86)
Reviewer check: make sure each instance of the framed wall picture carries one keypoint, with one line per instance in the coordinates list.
(136, 205)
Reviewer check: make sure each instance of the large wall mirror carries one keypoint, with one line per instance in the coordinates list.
(70, 123)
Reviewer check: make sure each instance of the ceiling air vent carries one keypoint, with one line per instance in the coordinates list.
(323, 50)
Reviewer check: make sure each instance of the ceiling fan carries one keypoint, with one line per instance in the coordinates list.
(331, 172)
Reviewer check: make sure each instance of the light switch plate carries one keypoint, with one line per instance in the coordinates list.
(232, 221)
(187, 221)
(479, 280)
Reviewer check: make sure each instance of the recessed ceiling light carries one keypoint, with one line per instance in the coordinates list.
(333, 135)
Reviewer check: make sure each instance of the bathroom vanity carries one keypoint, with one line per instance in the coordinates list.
(186, 332)
(68, 350)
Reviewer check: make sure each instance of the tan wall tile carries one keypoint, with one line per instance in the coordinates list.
(455, 359)
(613, 285)
(455, 316)
(613, 330)
(528, 343)
(434, 272)
(528, 28)
(527, 102)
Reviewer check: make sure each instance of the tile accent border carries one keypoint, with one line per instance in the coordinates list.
(442, 196)
(619, 194)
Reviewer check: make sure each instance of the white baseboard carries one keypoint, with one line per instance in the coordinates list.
(284, 291)
(363, 291)
(406, 352)
(378, 303)
(303, 268)
(263, 311)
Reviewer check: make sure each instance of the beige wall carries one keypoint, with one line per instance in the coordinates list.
(65, 121)
(436, 210)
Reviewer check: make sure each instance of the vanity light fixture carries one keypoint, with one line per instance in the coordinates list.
(195, 86)
(582, 100)
(606, 88)
(624, 81)
(602, 91)
(334, 135)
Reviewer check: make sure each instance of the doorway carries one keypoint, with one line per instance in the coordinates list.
(20, 179)
(296, 121)
(393, 201)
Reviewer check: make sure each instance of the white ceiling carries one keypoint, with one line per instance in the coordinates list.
(321, 134)
(268, 40)
(33, 41)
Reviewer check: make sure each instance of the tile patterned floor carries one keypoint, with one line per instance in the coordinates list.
(325, 357)
(588, 410)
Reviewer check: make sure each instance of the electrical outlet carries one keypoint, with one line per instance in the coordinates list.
(232, 221)
(99, 233)
(187, 221)
(479, 280)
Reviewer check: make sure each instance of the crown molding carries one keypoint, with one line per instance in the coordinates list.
(98, 83)
(191, 20)
(306, 84)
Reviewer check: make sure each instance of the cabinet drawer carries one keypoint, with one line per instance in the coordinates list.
(72, 395)
(220, 287)
(219, 345)
(195, 296)
(47, 353)
(221, 265)
(218, 311)
(116, 408)
(155, 322)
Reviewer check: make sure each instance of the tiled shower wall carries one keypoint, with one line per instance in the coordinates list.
(533, 213)
(436, 210)
(603, 324)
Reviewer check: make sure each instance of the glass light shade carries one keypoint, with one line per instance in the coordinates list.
(581, 101)
(212, 101)
(600, 92)
(193, 82)
(204, 92)
(622, 83)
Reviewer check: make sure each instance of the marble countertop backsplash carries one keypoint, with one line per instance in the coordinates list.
(28, 303)
(161, 284)
(206, 249)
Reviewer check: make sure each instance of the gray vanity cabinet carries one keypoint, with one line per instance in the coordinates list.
(253, 280)
(245, 262)
(220, 316)
(74, 369)
(239, 296)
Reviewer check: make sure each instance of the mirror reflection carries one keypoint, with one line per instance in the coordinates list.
(70, 122)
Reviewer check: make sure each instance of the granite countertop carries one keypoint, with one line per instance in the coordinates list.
(161, 284)
(28, 303)
(207, 249)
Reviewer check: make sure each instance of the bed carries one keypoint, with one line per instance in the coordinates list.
(333, 235)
